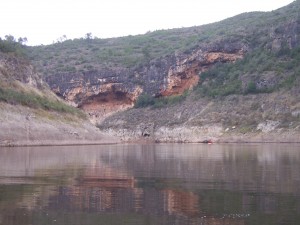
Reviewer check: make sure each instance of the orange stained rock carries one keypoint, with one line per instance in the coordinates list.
(185, 75)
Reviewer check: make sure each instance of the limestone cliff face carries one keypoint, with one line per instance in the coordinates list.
(100, 102)
(101, 93)
(95, 93)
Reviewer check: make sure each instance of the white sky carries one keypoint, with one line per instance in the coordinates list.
(44, 21)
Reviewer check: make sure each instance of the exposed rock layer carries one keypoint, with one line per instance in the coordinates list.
(109, 99)
(101, 93)
(184, 75)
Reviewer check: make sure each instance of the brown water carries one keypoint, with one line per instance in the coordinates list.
(150, 184)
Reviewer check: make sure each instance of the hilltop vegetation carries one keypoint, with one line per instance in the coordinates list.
(10, 45)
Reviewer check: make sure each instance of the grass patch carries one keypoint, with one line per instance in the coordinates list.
(33, 100)
(146, 100)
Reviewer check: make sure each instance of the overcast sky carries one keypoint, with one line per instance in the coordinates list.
(44, 21)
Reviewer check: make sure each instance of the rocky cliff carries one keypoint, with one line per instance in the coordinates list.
(102, 93)
(241, 77)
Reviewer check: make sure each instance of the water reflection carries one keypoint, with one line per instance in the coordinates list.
(150, 184)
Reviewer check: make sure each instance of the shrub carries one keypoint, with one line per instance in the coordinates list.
(144, 100)
(251, 89)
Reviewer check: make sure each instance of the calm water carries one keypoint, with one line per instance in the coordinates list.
(150, 184)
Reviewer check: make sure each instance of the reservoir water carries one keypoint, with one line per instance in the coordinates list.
(150, 184)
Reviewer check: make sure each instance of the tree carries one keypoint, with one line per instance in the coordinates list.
(88, 36)
(9, 44)
(10, 38)
(62, 39)
(22, 41)
(146, 52)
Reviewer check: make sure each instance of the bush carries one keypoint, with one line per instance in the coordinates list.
(251, 89)
(146, 100)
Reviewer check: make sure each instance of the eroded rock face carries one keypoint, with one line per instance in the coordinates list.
(101, 100)
(107, 100)
(184, 75)
(101, 93)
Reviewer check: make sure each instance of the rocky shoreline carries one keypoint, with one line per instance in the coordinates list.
(24, 126)
(194, 137)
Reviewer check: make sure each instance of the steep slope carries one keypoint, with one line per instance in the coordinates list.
(252, 58)
(30, 114)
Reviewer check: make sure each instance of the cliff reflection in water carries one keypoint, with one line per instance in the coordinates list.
(106, 189)
(109, 191)
(187, 184)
